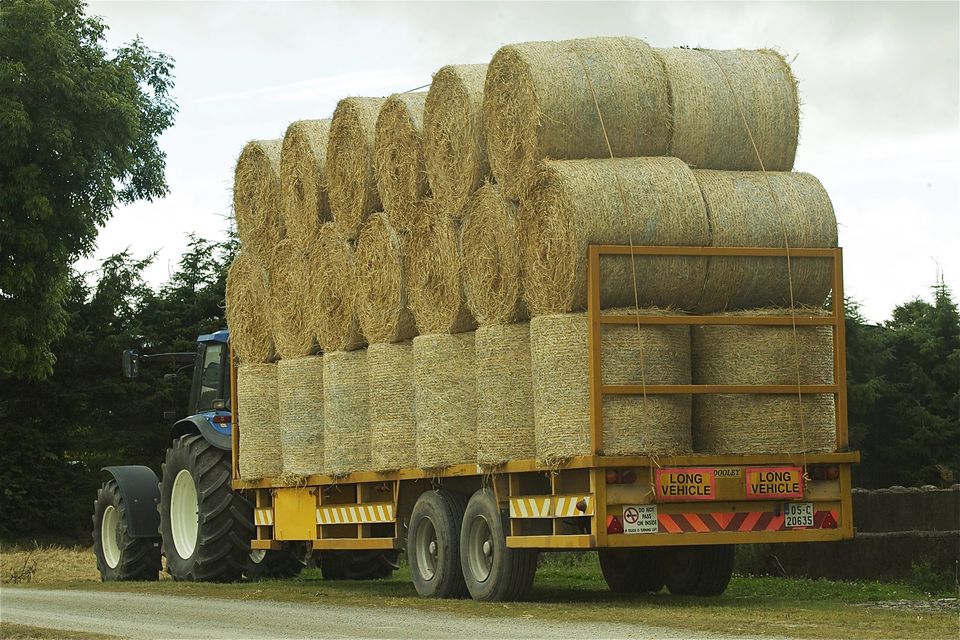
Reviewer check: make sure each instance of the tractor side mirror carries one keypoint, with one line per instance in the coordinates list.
(219, 405)
(170, 378)
(131, 364)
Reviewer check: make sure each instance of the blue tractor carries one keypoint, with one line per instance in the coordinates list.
(191, 515)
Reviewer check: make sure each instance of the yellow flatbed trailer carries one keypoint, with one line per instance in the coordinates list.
(595, 501)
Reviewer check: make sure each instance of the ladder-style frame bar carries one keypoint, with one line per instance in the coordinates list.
(597, 320)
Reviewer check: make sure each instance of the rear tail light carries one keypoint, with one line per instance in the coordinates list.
(621, 476)
(221, 419)
(824, 471)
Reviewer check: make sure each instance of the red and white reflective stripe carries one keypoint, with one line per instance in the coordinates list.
(743, 521)
(263, 517)
(356, 513)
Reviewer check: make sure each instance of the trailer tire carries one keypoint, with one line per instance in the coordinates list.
(283, 563)
(698, 570)
(120, 556)
(358, 565)
(433, 544)
(206, 527)
(632, 570)
(492, 571)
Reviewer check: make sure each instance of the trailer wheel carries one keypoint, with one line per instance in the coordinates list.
(283, 563)
(433, 544)
(632, 570)
(358, 565)
(206, 527)
(492, 571)
(698, 570)
(120, 556)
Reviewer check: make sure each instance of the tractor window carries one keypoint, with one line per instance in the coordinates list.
(210, 377)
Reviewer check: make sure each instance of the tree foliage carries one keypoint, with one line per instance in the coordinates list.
(57, 433)
(78, 135)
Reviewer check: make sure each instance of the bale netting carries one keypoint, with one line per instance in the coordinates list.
(300, 392)
(490, 238)
(769, 355)
(445, 385)
(724, 102)
(398, 157)
(393, 422)
(256, 197)
(640, 201)
(248, 309)
(289, 285)
(381, 283)
(352, 187)
(331, 311)
(655, 424)
(346, 428)
(773, 209)
(454, 142)
(541, 100)
(505, 423)
(435, 280)
(258, 420)
(303, 178)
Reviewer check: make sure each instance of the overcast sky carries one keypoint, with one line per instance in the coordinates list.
(879, 84)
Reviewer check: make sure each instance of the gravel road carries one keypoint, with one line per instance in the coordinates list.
(133, 615)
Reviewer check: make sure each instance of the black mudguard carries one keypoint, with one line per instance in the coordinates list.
(140, 490)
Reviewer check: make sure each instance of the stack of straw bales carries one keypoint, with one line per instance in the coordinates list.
(418, 264)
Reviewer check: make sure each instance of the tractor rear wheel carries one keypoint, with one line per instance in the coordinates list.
(120, 556)
(206, 527)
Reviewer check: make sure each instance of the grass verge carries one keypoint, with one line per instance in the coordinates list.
(570, 587)
(9, 631)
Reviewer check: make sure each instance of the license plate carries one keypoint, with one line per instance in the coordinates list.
(797, 515)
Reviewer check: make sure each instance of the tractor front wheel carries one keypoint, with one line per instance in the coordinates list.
(120, 556)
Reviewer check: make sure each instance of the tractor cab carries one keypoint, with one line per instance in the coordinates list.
(208, 410)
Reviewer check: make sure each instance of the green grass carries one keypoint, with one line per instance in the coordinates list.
(571, 588)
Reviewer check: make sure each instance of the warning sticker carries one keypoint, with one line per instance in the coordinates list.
(770, 483)
(640, 519)
(682, 484)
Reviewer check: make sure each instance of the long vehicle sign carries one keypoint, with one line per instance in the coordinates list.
(774, 483)
(686, 483)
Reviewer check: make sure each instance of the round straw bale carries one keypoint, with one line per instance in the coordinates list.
(258, 421)
(445, 383)
(346, 428)
(455, 147)
(490, 238)
(505, 424)
(435, 280)
(398, 157)
(541, 100)
(393, 423)
(289, 285)
(643, 201)
(773, 209)
(248, 316)
(714, 92)
(632, 424)
(300, 390)
(303, 178)
(381, 284)
(331, 310)
(256, 197)
(763, 423)
(352, 188)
